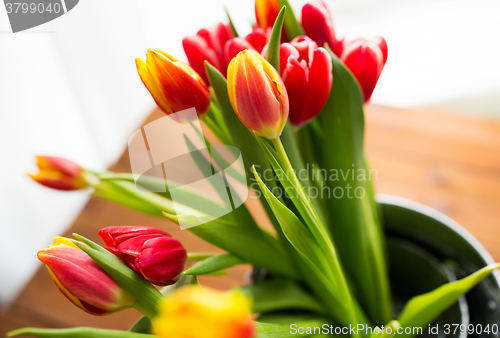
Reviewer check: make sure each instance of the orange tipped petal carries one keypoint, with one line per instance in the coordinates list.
(174, 85)
(266, 12)
(152, 87)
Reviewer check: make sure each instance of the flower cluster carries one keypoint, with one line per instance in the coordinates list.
(305, 68)
(327, 259)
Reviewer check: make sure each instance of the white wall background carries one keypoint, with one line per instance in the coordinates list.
(69, 88)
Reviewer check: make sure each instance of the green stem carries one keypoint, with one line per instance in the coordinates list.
(220, 131)
(321, 235)
(143, 309)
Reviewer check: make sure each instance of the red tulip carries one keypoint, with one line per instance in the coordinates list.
(150, 252)
(307, 74)
(255, 40)
(318, 25)
(173, 84)
(258, 38)
(81, 280)
(59, 173)
(234, 46)
(208, 45)
(366, 60)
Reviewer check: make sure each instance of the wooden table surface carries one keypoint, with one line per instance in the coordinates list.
(446, 161)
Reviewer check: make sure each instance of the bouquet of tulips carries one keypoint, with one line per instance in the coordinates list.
(289, 95)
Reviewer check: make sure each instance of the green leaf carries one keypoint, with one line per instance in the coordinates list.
(127, 190)
(265, 330)
(108, 191)
(345, 307)
(233, 29)
(143, 325)
(423, 309)
(292, 26)
(76, 332)
(199, 256)
(213, 264)
(120, 188)
(205, 167)
(273, 46)
(281, 294)
(389, 330)
(355, 223)
(242, 137)
(250, 244)
(295, 231)
(128, 279)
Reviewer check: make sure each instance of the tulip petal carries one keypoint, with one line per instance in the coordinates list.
(113, 236)
(380, 42)
(286, 49)
(266, 12)
(56, 180)
(162, 260)
(305, 46)
(177, 84)
(63, 165)
(152, 86)
(258, 38)
(216, 38)
(318, 24)
(82, 281)
(234, 46)
(252, 92)
(319, 85)
(296, 77)
(197, 52)
(365, 61)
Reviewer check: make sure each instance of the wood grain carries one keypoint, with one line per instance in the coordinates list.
(448, 162)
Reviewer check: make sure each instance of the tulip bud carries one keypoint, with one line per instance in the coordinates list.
(195, 312)
(318, 25)
(307, 74)
(366, 60)
(173, 84)
(81, 280)
(257, 94)
(150, 252)
(60, 173)
(266, 12)
(208, 45)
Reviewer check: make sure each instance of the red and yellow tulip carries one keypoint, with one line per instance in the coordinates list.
(59, 173)
(81, 280)
(203, 313)
(307, 74)
(266, 12)
(257, 94)
(174, 85)
(150, 252)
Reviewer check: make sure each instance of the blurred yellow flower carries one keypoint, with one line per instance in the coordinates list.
(193, 312)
